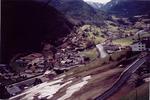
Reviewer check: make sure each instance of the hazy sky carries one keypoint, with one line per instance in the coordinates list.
(100, 1)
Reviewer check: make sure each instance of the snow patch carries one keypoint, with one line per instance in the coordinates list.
(86, 78)
(74, 88)
(98, 1)
(47, 72)
(70, 79)
(46, 89)
(62, 76)
(44, 84)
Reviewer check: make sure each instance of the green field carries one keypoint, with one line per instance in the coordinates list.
(124, 41)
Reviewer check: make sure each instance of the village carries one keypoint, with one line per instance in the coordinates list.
(85, 44)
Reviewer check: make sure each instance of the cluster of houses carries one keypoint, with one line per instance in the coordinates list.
(30, 65)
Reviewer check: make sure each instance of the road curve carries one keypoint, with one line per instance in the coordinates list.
(123, 77)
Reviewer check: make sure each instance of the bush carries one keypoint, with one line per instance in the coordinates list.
(90, 44)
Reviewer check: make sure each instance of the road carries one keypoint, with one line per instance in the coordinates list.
(101, 50)
(123, 77)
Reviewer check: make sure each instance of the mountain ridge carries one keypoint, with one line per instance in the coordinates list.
(78, 11)
(95, 5)
(127, 7)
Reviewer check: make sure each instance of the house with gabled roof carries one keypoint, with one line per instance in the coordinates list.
(142, 45)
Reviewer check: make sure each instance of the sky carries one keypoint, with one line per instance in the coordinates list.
(100, 1)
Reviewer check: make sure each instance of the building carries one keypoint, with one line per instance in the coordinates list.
(142, 45)
(111, 48)
(146, 41)
(139, 46)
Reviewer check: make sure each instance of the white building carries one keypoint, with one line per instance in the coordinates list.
(139, 46)
(142, 45)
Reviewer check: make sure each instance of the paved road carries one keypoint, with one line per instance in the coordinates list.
(123, 77)
(101, 50)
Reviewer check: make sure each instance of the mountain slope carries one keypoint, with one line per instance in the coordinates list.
(25, 24)
(78, 10)
(128, 7)
(95, 5)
